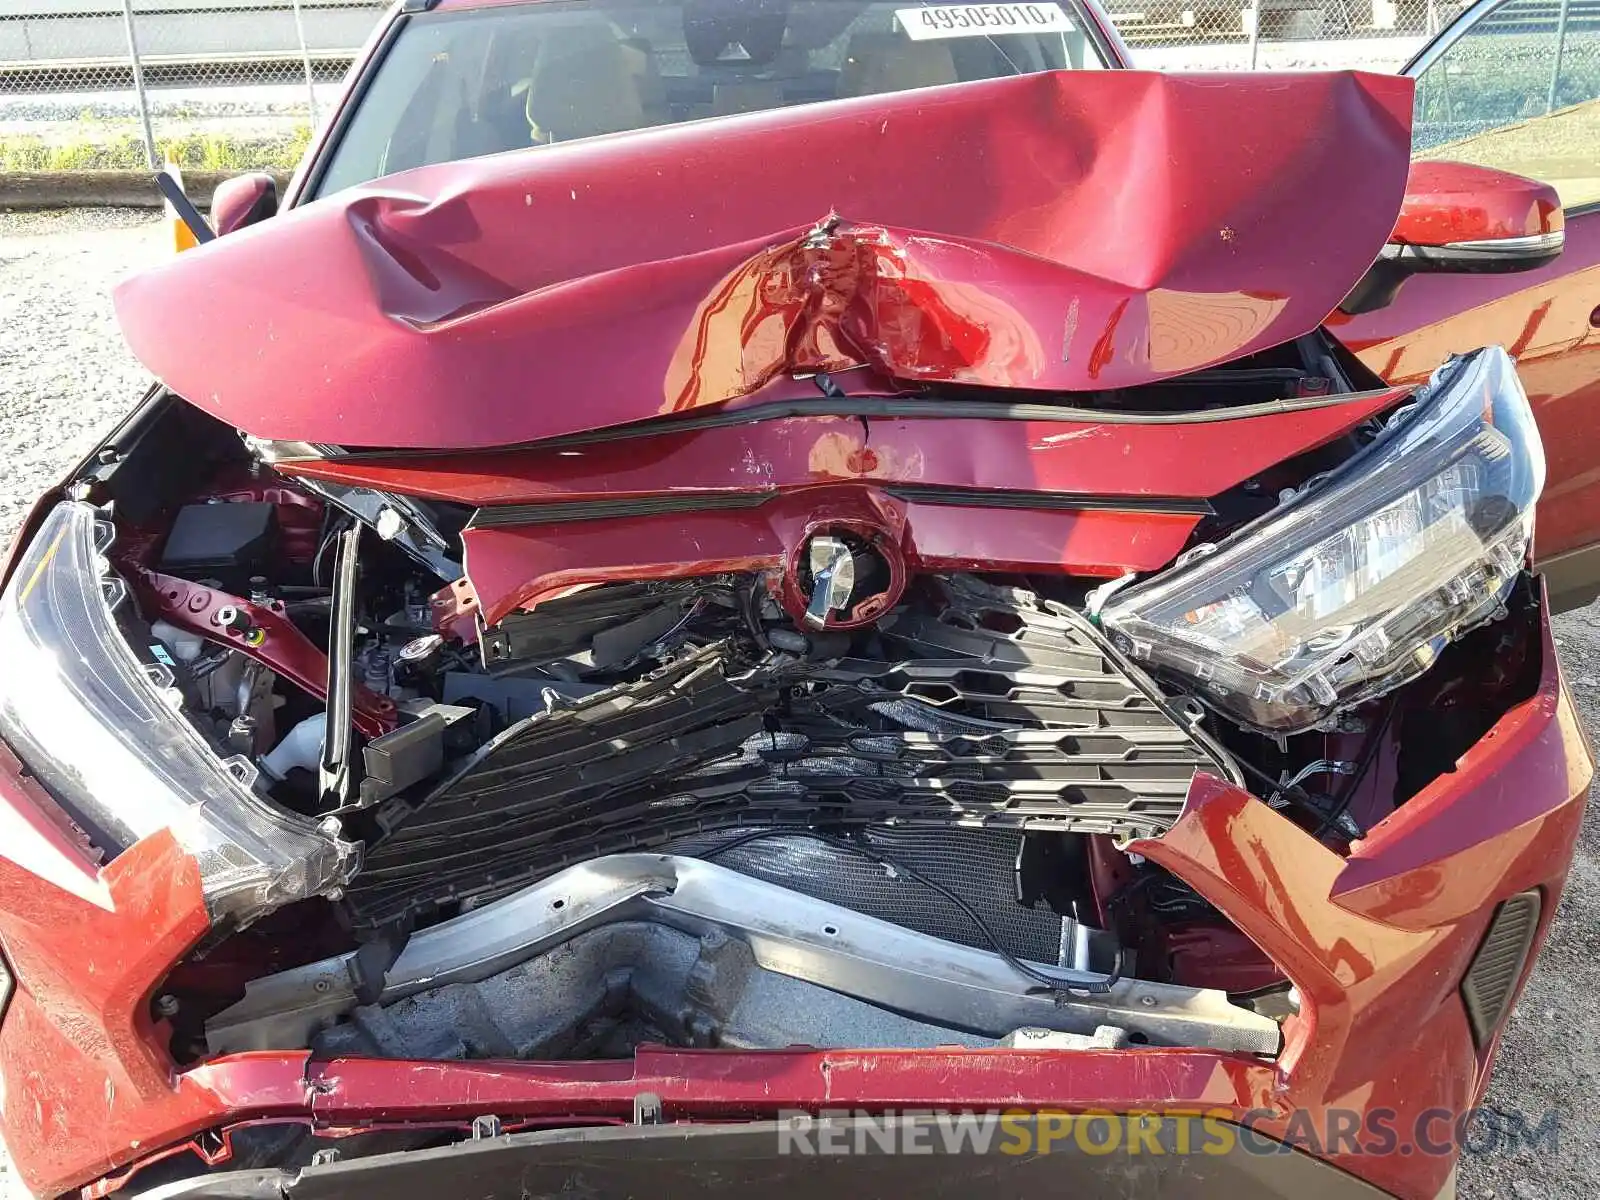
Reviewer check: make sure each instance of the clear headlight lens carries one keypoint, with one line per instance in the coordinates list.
(1355, 585)
(102, 731)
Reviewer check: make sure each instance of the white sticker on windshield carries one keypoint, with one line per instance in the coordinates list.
(981, 20)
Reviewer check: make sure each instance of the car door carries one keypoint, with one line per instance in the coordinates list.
(1515, 84)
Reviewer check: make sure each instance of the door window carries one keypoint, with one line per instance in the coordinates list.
(1520, 90)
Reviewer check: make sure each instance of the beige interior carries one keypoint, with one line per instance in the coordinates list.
(887, 62)
(742, 96)
(585, 82)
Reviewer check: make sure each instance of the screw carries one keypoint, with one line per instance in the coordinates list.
(322, 986)
(166, 1006)
(1148, 1001)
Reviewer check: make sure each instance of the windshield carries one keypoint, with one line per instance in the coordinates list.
(479, 81)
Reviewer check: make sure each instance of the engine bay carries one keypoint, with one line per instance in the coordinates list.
(810, 799)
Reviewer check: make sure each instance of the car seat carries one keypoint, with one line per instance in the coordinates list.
(890, 62)
(585, 82)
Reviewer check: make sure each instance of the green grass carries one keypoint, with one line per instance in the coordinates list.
(125, 151)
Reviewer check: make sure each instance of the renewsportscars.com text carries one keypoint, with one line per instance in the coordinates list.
(1436, 1132)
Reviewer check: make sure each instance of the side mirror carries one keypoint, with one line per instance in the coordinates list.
(243, 200)
(1463, 219)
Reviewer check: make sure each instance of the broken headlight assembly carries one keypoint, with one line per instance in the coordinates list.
(1354, 585)
(106, 735)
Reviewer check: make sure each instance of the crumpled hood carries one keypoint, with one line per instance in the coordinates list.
(1070, 231)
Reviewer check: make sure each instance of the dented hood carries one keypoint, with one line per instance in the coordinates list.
(1067, 231)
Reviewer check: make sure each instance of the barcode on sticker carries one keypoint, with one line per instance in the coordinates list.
(981, 20)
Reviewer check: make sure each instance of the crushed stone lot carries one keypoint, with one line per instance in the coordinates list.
(65, 378)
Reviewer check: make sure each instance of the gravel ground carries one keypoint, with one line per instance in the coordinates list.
(65, 377)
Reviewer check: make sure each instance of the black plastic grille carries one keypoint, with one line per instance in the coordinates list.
(999, 712)
(1498, 964)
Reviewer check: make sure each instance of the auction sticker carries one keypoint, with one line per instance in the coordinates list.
(981, 20)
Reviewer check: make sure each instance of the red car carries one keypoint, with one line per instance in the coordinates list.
(905, 591)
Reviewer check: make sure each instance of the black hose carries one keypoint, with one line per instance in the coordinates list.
(1292, 790)
(1369, 755)
(1329, 818)
(1096, 987)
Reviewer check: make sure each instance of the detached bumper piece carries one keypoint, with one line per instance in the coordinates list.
(1000, 712)
(815, 1161)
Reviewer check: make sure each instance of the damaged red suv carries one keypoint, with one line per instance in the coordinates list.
(732, 579)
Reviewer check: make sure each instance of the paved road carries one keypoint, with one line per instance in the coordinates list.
(64, 376)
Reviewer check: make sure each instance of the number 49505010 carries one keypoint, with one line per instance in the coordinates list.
(981, 20)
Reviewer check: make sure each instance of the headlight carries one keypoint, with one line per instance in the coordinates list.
(1354, 586)
(102, 731)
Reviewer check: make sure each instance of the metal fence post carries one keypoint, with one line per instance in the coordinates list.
(305, 59)
(138, 85)
(1561, 49)
(1255, 32)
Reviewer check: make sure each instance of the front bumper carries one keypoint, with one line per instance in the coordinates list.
(1377, 942)
(906, 1156)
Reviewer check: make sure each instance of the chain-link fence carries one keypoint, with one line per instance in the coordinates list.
(1187, 21)
(211, 84)
(239, 84)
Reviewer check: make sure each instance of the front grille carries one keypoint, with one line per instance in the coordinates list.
(997, 712)
(1498, 964)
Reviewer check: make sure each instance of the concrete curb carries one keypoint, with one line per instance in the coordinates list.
(104, 189)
